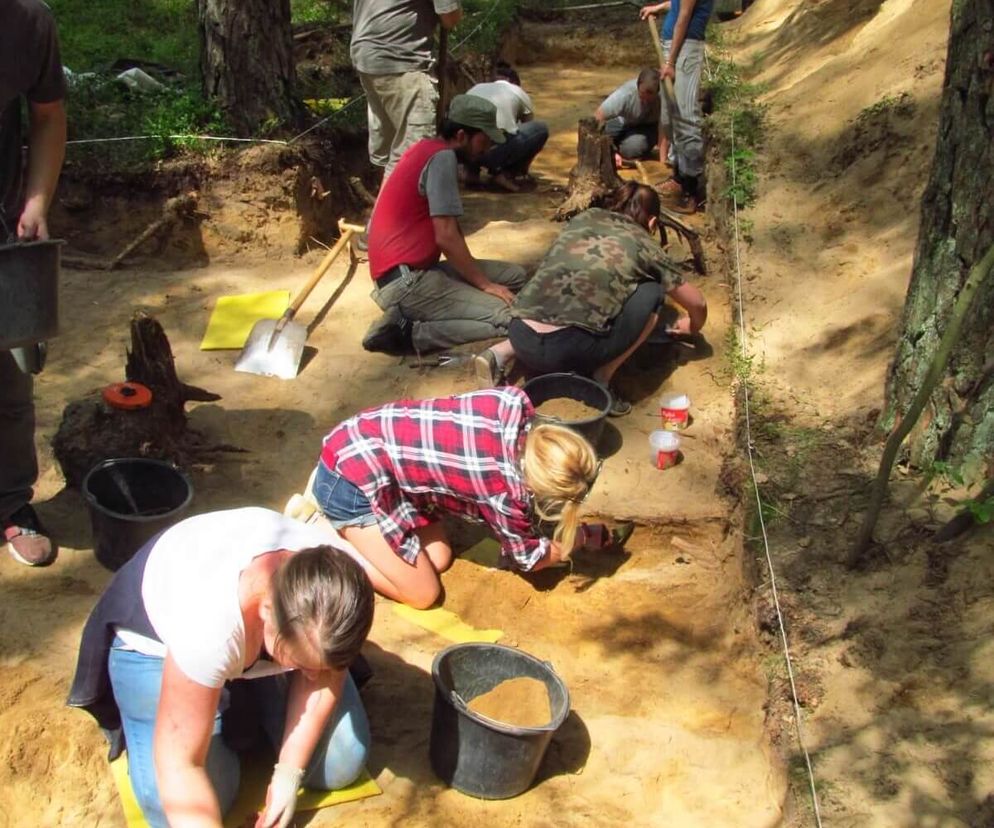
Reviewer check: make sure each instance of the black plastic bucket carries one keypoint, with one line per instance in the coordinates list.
(29, 292)
(547, 387)
(477, 755)
(131, 499)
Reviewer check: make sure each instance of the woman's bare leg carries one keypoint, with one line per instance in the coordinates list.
(392, 576)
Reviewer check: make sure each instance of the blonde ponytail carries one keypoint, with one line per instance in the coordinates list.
(559, 467)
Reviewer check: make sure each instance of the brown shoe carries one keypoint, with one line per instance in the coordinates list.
(26, 539)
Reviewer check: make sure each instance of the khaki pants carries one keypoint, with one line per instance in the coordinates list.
(401, 111)
(688, 136)
(446, 310)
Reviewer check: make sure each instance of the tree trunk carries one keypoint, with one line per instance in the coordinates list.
(246, 62)
(957, 227)
(594, 175)
(91, 430)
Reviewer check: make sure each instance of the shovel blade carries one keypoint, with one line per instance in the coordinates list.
(271, 356)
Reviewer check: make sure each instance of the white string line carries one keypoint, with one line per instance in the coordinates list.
(759, 503)
(176, 137)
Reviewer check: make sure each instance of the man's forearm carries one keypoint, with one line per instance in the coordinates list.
(46, 151)
(453, 245)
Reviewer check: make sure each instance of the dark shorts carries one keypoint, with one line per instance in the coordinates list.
(579, 350)
(342, 503)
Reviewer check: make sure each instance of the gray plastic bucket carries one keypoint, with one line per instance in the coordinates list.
(477, 755)
(547, 387)
(29, 293)
(131, 499)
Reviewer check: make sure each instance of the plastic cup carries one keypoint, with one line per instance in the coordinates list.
(674, 410)
(665, 448)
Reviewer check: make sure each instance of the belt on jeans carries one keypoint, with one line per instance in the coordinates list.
(392, 275)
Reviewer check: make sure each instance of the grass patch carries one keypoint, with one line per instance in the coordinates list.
(98, 33)
(737, 123)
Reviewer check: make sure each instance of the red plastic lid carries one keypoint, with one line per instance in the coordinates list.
(127, 395)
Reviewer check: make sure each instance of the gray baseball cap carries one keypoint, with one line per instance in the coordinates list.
(477, 112)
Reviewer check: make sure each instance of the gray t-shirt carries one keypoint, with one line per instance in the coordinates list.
(30, 66)
(394, 36)
(439, 183)
(512, 102)
(624, 102)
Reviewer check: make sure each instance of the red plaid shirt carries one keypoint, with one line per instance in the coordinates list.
(455, 454)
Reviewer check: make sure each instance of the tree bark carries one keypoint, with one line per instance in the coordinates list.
(594, 175)
(246, 62)
(957, 226)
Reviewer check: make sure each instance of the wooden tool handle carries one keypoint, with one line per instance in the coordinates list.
(668, 89)
(305, 291)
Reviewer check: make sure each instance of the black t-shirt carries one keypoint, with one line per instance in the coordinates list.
(30, 66)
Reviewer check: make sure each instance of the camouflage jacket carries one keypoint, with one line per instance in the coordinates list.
(591, 269)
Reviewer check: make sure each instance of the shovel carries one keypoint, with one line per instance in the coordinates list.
(275, 346)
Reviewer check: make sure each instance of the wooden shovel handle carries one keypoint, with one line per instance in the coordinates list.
(654, 31)
(305, 291)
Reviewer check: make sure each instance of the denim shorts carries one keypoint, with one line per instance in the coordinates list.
(342, 502)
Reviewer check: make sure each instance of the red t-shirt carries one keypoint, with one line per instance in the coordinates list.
(401, 230)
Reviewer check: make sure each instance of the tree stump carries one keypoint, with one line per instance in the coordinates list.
(594, 175)
(92, 430)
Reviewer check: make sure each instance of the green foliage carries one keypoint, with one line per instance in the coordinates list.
(95, 33)
(102, 107)
(736, 125)
(940, 468)
(742, 180)
(319, 11)
(982, 510)
(483, 24)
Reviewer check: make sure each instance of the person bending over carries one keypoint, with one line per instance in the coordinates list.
(597, 293)
(630, 115)
(508, 163)
(416, 221)
(245, 596)
(387, 475)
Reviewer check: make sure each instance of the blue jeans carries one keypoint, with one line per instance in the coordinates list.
(337, 761)
(342, 502)
(515, 155)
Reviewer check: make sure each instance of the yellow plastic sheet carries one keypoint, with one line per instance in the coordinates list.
(233, 318)
(446, 624)
(252, 794)
(484, 553)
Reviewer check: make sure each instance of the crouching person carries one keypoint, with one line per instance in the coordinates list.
(387, 475)
(244, 595)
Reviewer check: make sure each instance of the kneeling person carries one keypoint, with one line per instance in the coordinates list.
(233, 595)
(630, 115)
(416, 221)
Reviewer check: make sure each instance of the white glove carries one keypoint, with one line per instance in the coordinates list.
(281, 801)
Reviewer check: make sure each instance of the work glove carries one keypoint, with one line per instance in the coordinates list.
(281, 800)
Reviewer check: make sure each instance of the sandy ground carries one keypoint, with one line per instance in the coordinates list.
(658, 648)
(893, 663)
(676, 699)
